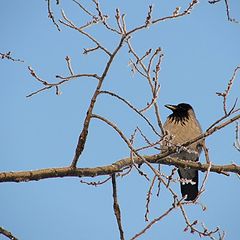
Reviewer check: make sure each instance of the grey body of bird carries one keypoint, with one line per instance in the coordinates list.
(180, 127)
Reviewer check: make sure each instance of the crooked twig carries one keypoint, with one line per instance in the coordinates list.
(95, 184)
(149, 194)
(193, 226)
(48, 85)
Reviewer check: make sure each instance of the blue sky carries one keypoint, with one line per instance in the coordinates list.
(200, 53)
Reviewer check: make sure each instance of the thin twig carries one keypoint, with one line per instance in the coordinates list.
(7, 234)
(95, 184)
(8, 56)
(228, 13)
(127, 142)
(149, 16)
(170, 177)
(84, 9)
(236, 144)
(104, 18)
(38, 91)
(135, 68)
(57, 84)
(175, 204)
(193, 229)
(152, 81)
(51, 16)
(88, 50)
(227, 91)
(117, 16)
(214, 1)
(149, 193)
(131, 140)
(218, 121)
(173, 16)
(69, 65)
(132, 107)
(159, 181)
(70, 24)
(203, 186)
(205, 149)
(116, 207)
(153, 222)
(124, 27)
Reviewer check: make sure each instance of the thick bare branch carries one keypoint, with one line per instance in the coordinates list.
(35, 175)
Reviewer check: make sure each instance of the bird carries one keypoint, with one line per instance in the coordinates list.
(180, 127)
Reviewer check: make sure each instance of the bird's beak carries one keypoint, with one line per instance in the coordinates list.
(171, 107)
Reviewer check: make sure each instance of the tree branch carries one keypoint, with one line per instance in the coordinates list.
(153, 222)
(8, 56)
(116, 207)
(173, 16)
(83, 136)
(132, 107)
(7, 234)
(50, 14)
(35, 175)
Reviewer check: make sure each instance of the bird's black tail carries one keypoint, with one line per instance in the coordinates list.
(189, 189)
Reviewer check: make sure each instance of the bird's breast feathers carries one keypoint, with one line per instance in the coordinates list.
(184, 130)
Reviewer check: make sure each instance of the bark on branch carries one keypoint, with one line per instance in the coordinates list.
(35, 175)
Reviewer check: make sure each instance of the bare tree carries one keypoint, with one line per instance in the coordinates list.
(147, 66)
